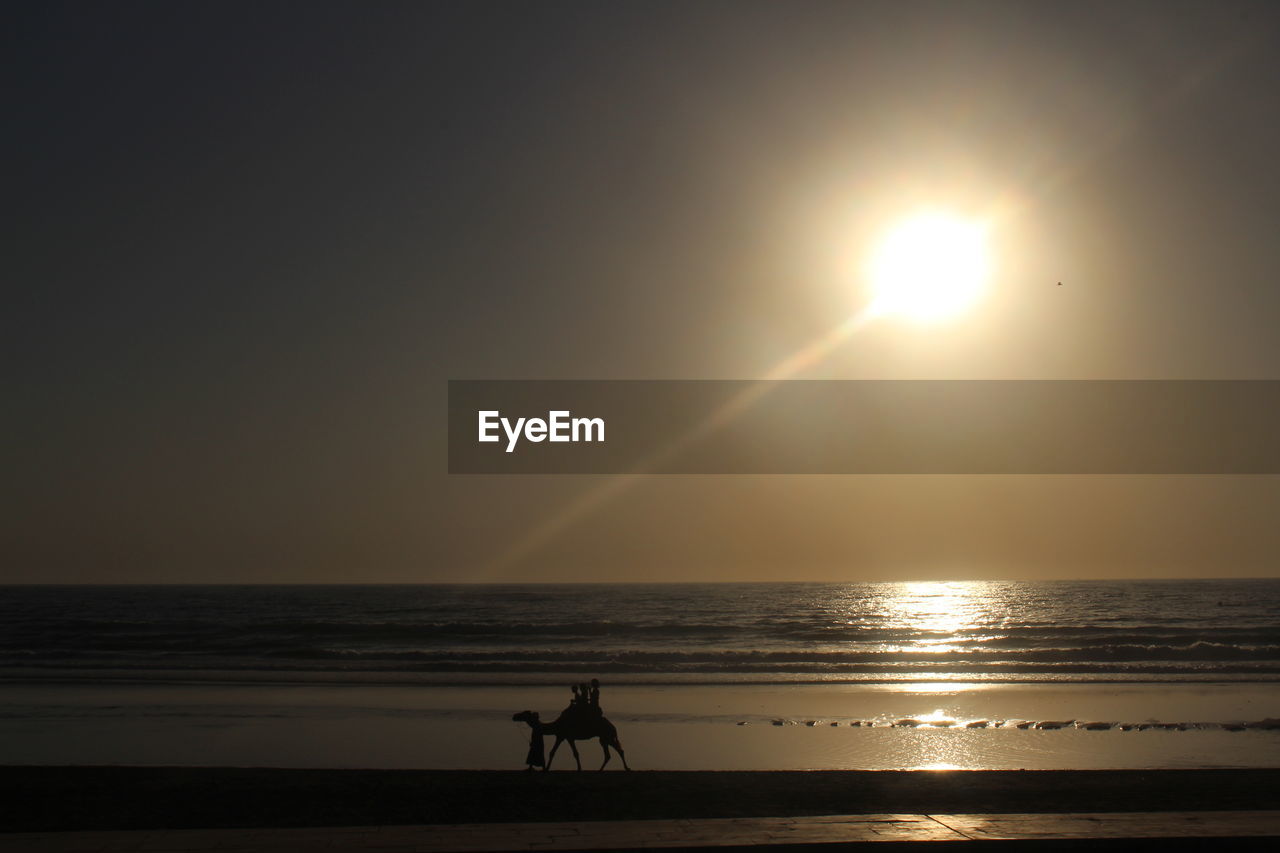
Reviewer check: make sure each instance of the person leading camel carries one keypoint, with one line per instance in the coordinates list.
(574, 726)
(536, 756)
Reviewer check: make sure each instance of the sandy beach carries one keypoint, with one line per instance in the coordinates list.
(81, 798)
(726, 727)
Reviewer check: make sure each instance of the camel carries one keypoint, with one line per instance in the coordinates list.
(574, 725)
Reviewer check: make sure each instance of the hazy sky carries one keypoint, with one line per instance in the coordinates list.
(247, 244)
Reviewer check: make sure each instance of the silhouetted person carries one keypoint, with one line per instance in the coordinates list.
(536, 757)
(576, 698)
(595, 695)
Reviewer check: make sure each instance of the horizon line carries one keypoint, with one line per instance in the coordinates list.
(6, 584)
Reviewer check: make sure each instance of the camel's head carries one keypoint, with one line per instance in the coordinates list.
(530, 717)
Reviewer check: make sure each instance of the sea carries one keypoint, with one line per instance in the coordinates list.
(724, 633)
(923, 675)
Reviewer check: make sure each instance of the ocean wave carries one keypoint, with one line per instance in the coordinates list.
(251, 634)
(1132, 659)
(843, 629)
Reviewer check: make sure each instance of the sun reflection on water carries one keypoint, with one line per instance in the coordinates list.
(938, 607)
(942, 617)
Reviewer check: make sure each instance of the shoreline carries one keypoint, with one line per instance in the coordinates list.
(113, 797)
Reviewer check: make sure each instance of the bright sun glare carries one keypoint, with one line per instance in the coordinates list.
(930, 267)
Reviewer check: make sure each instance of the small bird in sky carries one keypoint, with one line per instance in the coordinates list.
(1059, 284)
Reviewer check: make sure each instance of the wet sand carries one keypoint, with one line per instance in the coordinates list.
(412, 727)
(84, 798)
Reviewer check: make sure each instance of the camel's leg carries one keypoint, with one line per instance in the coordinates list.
(552, 756)
(574, 746)
(604, 744)
(617, 744)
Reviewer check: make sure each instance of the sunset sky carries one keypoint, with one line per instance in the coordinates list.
(247, 245)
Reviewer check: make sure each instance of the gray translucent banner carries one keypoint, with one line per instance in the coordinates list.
(864, 427)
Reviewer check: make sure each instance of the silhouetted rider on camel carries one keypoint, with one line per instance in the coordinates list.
(582, 720)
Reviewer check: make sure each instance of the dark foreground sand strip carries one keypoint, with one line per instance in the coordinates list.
(1019, 831)
(64, 799)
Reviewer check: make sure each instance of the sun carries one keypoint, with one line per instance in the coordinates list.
(930, 267)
